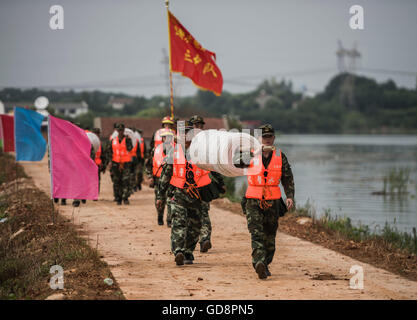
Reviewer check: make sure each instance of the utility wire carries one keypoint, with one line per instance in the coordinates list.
(245, 81)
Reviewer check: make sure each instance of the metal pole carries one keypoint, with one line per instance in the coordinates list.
(170, 72)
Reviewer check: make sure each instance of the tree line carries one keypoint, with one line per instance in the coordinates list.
(348, 104)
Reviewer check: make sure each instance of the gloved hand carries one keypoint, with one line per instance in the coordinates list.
(152, 183)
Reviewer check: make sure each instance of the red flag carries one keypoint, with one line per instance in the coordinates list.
(7, 122)
(191, 59)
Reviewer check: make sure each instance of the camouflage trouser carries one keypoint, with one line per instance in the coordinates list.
(165, 201)
(263, 226)
(132, 174)
(185, 229)
(169, 211)
(205, 233)
(121, 179)
(139, 174)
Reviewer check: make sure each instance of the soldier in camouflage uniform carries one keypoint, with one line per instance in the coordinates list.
(263, 203)
(205, 234)
(120, 169)
(108, 151)
(154, 171)
(141, 161)
(102, 163)
(133, 165)
(187, 201)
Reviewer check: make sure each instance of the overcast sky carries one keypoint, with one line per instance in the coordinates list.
(117, 45)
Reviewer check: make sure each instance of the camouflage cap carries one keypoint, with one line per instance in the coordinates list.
(267, 130)
(197, 119)
(188, 125)
(120, 126)
(96, 130)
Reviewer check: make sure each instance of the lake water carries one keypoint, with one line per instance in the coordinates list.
(340, 172)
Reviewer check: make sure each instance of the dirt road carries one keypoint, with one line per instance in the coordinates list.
(138, 252)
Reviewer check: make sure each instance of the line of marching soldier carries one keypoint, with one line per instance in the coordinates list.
(187, 190)
(187, 199)
(127, 150)
(190, 189)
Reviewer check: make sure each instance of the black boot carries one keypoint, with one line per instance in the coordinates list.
(268, 273)
(63, 202)
(260, 269)
(205, 245)
(188, 259)
(160, 220)
(179, 259)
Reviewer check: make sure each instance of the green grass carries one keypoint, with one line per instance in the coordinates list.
(307, 210)
(401, 240)
(344, 227)
(396, 181)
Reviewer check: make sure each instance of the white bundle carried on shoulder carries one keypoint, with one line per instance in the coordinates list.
(138, 137)
(95, 141)
(128, 132)
(214, 150)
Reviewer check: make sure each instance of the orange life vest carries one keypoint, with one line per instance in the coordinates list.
(134, 149)
(97, 159)
(266, 188)
(120, 153)
(142, 148)
(201, 177)
(157, 137)
(158, 158)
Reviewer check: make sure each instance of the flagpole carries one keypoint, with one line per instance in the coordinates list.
(170, 72)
